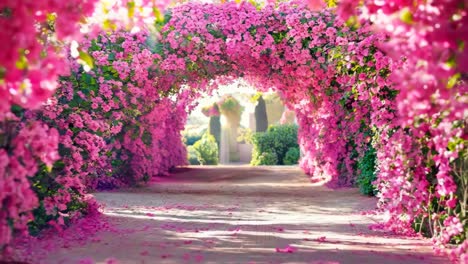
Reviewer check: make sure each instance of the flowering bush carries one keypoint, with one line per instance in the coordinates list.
(420, 156)
(110, 125)
(119, 122)
(33, 33)
(29, 67)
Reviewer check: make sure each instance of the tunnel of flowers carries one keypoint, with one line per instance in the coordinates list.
(100, 103)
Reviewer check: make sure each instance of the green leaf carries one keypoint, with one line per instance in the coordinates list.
(111, 56)
(85, 59)
(158, 15)
(22, 62)
(453, 80)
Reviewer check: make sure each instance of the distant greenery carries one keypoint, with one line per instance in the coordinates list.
(192, 156)
(191, 136)
(292, 156)
(277, 140)
(367, 172)
(206, 150)
(267, 158)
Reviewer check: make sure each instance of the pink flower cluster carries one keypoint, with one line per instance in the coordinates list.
(33, 33)
(431, 105)
(31, 143)
(116, 127)
(29, 78)
(120, 122)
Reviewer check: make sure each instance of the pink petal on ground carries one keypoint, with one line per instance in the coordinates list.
(150, 214)
(111, 261)
(144, 253)
(322, 239)
(186, 256)
(86, 261)
(288, 249)
(198, 258)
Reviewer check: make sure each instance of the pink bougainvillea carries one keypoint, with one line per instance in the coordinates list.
(34, 55)
(120, 121)
(424, 163)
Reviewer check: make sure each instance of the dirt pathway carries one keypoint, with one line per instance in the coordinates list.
(241, 215)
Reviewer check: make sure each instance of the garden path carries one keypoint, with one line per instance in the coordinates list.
(241, 214)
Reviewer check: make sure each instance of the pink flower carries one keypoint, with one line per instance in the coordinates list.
(287, 249)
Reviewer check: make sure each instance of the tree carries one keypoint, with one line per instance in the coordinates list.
(261, 119)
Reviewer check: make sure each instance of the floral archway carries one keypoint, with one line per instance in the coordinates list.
(119, 122)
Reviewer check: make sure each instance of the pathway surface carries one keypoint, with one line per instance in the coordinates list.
(242, 214)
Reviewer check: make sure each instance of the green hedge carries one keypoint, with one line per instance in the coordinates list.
(192, 156)
(278, 140)
(268, 158)
(292, 156)
(207, 150)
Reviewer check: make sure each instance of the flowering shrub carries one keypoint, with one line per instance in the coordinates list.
(120, 122)
(30, 63)
(114, 123)
(420, 155)
(110, 127)
(33, 57)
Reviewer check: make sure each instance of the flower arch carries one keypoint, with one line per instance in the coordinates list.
(334, 77)
(121, 121)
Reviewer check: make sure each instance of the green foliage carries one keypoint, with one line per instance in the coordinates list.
(367, 172)
(44, 186)
(192, 136)
(192, 156)
(207, 150)
(230, 107)
(267, 158)
(261, 119)
(292, 156)
(278, 139)
(244, 135)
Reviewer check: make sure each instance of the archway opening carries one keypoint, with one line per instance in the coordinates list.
(334, 77)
